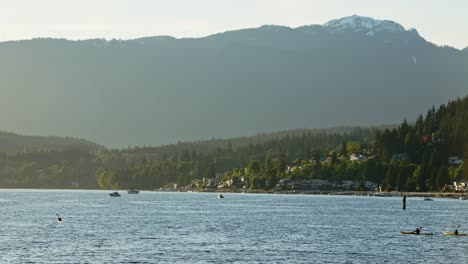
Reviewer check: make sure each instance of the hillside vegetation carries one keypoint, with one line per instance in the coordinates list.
(412, 156)
(14, 143)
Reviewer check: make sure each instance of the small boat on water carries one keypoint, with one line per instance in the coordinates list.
(380, 194)
(220, 196)
(133, 191)
(114, 194)
(415, 233)
(453, 234)
(428, 199)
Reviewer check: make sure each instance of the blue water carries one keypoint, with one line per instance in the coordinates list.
(154, 227)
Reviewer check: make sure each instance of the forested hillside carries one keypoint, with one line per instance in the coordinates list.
(429, 143)
(421, 156)
(13, 143)
(413, 156)
(153, 167)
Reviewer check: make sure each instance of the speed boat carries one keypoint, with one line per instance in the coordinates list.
(133, 191)
(114, 194)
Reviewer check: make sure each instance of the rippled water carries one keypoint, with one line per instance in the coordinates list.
(154, 227)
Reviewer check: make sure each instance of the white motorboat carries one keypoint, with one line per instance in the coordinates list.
(133, 191)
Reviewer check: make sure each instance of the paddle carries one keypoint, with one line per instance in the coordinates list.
(418, 229)
(428, 231)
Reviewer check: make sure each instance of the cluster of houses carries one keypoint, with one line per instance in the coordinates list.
(285, 185)
(359, 157)
(319, 185)
(452, 161)
(460, 186)
(216, 183)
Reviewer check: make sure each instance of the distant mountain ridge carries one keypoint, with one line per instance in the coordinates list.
(156, 90)
(13, 143)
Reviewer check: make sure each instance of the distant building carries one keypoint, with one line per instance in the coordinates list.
(346, 185)
(400, 157)
(309, 185)
(461, 185)
(450, 187)
(212, 183)
(455, 161)
(292, 167)
(357, 157)
(371, 186)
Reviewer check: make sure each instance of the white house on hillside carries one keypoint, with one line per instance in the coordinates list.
(455, 161)
(461, 185)
(357, 157)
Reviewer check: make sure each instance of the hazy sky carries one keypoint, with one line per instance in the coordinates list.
(440, 21)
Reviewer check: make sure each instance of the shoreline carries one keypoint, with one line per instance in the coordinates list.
(360, 193)
(453, 195)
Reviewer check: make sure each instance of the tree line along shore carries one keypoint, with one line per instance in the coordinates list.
(426, 155)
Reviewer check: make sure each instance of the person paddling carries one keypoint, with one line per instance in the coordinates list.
(59, 218)
(456, 230)
(418, 230)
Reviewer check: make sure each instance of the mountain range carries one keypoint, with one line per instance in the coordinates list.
(157, 90)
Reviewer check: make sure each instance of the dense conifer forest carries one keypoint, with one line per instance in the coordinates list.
(413, 156)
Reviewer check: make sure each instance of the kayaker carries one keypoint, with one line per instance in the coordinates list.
(455, 232)
(59, 218)
(418, 230)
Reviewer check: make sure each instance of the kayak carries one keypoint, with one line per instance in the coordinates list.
(414, 233)
(453, 234)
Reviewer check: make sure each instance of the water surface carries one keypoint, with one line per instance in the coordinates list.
(155, 227)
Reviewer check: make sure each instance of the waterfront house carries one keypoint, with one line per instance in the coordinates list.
(212, 183)
(292, 167)
(461, 185)
(371, 186)
(455, 161)
(345, 185)
(357, 157)
(304, 185)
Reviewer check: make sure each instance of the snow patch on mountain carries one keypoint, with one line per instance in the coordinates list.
(367, 25)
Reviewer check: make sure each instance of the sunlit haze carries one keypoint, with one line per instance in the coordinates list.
(441, 22)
